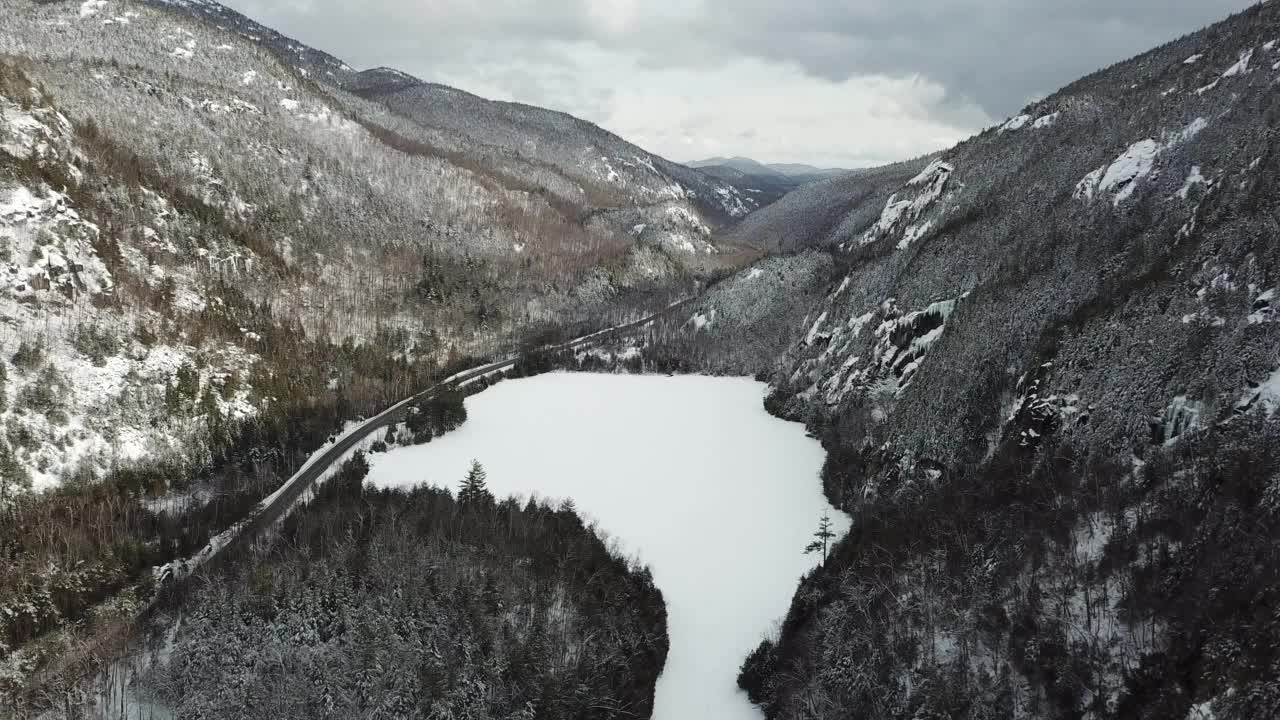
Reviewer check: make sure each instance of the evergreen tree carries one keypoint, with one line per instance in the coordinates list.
(474, 491)
(822, 538)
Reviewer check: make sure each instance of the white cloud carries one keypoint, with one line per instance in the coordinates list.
(827, 81)
(768, 110)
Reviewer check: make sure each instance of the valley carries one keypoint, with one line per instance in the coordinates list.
(682, 473)
(261, 311)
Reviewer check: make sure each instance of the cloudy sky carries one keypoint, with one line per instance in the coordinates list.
(829, 82)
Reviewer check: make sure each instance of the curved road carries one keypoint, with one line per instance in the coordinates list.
(277, 505)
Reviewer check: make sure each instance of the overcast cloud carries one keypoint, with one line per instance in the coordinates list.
(828, 82)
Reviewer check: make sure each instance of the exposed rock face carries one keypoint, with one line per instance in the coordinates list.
(1047, 383)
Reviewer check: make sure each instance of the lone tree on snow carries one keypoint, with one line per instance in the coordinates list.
(473, 489)
(822, 538)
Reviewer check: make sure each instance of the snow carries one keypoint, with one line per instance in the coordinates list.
(1201, 711)
(89, 8)
(1016, 123)
(703, 320)
(755, 273)
(1266, 395)
(683, 215)
(856, 324)
(1207, 88)
(1191, 130)
(1242, 65)
(1046, 121)
(844, 285)
(611, 175)
(1193, 178)
(913, 233)
(183, 567)
(1088, 186)
(814, 331)
(895, 211)
(1269, 45)
(1181, 417)
(182, 53)
(1193, 59)
(685, 472)
(929, 173)
(289, 104)
(1123, 175)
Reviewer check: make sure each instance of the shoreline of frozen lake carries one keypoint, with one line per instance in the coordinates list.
(688, 472)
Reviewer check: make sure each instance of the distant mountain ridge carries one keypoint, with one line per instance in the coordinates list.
(1045, 364)
(767, 184)
(515, 139)
(754, 167)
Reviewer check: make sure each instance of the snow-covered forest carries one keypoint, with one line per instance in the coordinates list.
(1044, 365)
(212, 263)
(417, 604)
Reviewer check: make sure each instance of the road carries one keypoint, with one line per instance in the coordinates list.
(277, 505)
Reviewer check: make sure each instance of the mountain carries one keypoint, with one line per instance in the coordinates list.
(766, 183)
(824, 213)
(545, 140)
(568, 159)
(800, 170)
(310, 62)
(214, 261)
(744, 165)
(1045, 364)
(766, 188)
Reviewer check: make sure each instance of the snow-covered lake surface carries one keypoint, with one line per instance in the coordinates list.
(690, 473)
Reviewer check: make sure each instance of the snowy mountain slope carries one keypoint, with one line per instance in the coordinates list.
(824, 213)
(312, 63)
(333, 178)
(765, 186)
(1043, 381)
(210, 263)
(87, 380)
(796, 172)
(573, 146)
(573, 160)
(802, 170)
(741, 164)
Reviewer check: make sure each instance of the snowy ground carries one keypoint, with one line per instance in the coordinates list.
(690, 473)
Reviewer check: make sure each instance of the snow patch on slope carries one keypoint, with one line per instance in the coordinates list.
(898, 212)
(1242, 65)
(1046, 121)
(1015, 123)
(1121, 178)
(1265, 396)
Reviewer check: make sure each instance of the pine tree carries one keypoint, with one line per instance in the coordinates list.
(474, 491)
(822, 538)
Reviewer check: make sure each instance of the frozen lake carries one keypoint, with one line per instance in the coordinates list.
(688, 472)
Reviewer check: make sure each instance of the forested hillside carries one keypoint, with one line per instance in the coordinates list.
(1046, 376)
(823, 213)
(418, 605)
(213, 262)
(1045, 365)
(578, 167)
